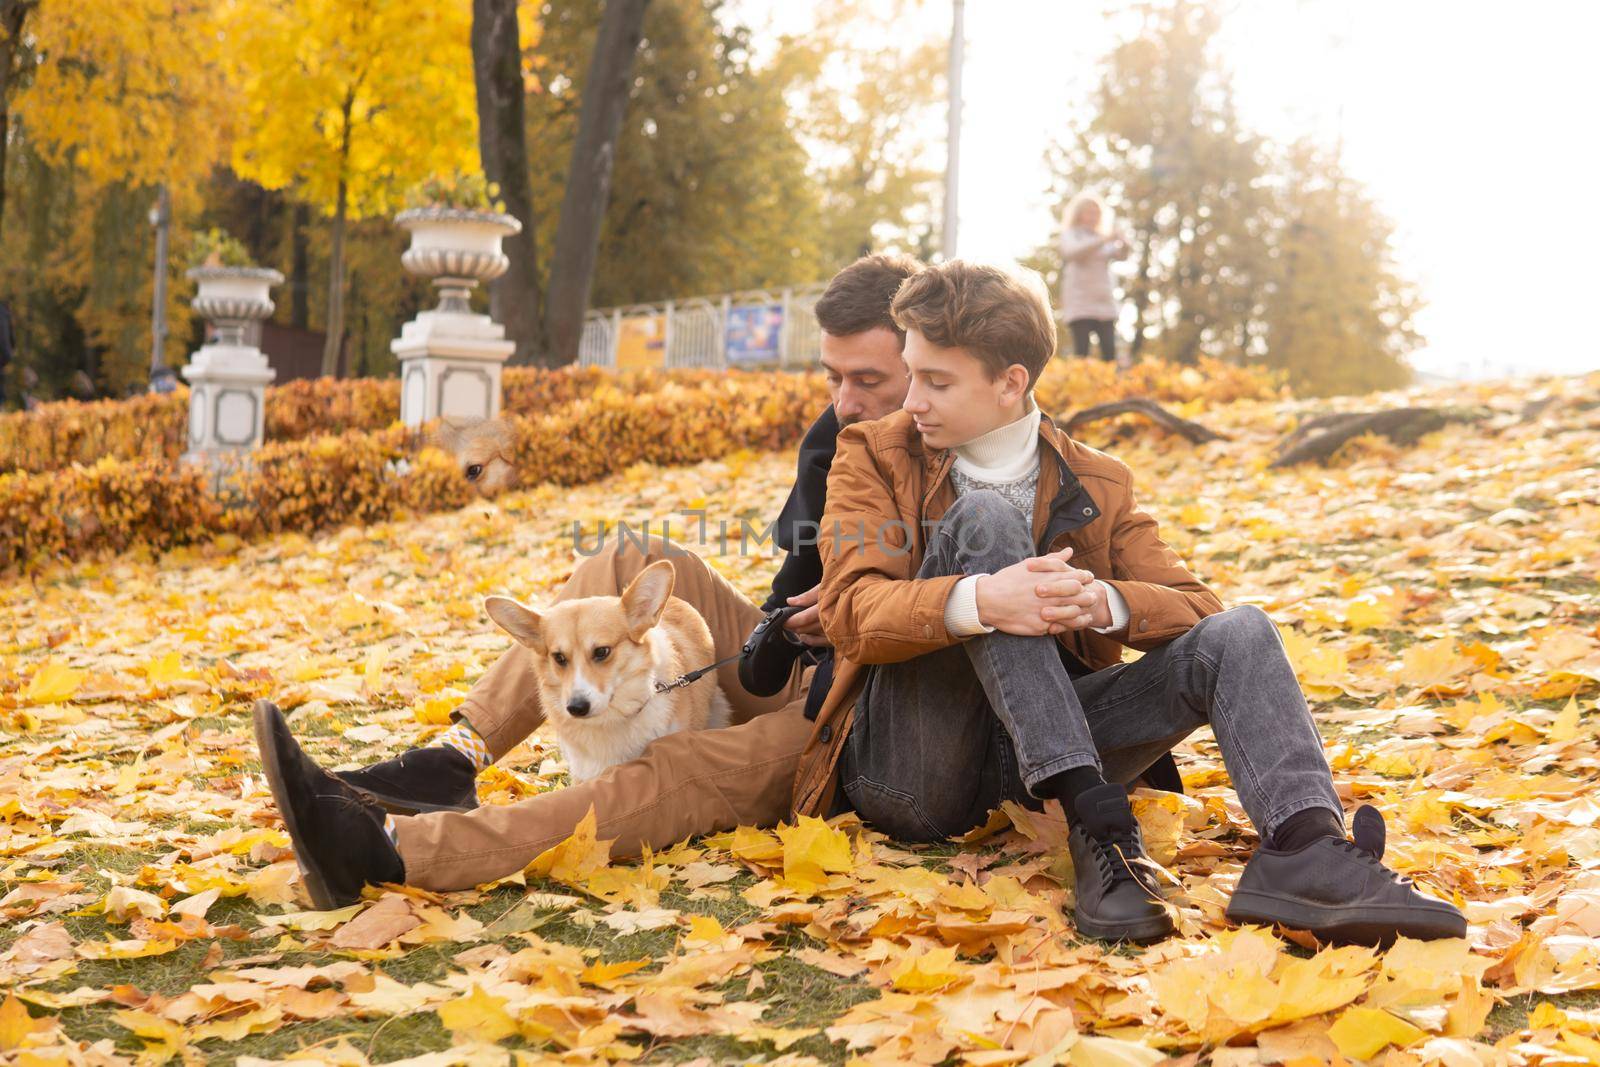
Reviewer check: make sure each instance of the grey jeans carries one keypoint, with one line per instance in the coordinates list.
(941, 739)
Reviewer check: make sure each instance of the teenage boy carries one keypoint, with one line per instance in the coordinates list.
(982, 572)
(685, 783)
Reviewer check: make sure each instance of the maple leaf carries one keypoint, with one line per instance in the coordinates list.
(573, 860)
(311, 920)
(927, 972)
(380, 924)
(1361, 1033)
(479, 1016)
(1565, 726)
(18, 1029)
(122, 903)
(1369, 613)
(168, 668)
(1091, 1050)
(812, 850)
(53, 683)
(1433, 666)
(606, 974)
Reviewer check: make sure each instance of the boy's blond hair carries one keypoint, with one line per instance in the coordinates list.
(1000, 315)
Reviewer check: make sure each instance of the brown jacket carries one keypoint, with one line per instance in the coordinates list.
(884, 493)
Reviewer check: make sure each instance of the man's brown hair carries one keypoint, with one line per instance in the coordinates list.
(858, 297)
(999, 316)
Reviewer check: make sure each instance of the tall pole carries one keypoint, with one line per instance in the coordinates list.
(161, 219)
(952, 159)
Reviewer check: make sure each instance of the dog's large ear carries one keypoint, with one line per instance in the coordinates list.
(646, 597)
(520, 622)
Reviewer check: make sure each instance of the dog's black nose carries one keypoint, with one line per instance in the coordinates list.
(578, 707)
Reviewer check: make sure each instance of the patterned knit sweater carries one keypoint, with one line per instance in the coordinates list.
(1005, 459)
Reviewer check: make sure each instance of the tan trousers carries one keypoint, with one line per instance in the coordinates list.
(685, 784)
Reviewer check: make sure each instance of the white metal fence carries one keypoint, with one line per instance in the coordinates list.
(754, 328)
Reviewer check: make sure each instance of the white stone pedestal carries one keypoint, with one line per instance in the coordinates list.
(450, 364)
(228, 377)
(451, 358)
(227, 400)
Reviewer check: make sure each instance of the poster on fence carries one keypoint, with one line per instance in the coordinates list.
(642, 342)
(753, 333)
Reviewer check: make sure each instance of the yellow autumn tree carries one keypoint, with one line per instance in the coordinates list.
(348, 103)
(112, 99)
(129, 90)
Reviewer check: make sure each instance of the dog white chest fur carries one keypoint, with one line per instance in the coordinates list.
(598, 660)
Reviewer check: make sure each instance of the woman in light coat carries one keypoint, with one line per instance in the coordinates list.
(1087, 248)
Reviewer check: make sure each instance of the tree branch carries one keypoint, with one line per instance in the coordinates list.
(1138, 405)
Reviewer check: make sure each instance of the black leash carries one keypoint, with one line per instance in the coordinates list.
(693, 676)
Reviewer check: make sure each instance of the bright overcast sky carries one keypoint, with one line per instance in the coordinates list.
(1474, 125)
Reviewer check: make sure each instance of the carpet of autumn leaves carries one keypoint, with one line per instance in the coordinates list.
(1439, 602)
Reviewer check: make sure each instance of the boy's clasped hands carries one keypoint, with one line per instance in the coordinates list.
(1042, 595)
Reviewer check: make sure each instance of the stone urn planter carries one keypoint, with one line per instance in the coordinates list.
(457, 248)
(228, 377)
(451, 358)
(231, 298)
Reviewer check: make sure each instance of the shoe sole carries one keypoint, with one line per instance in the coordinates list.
(1355, 924)
(1155, 928)
(400, 806)
(264, 719)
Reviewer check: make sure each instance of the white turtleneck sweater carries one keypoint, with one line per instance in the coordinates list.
(1006, 459)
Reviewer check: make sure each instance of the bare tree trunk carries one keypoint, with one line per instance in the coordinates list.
(331, 345)
(12, 15)
(515, 299)
(300, 268)
(583, 206)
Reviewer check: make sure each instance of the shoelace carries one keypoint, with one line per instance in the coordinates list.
(1366, 856)
(356, 797)
(1119, 859)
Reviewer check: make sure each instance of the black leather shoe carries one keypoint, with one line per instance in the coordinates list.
(419, 780)
(1117, 894)
(1338, 890)
(337, 830)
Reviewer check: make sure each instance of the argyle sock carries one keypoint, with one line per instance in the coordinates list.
(390, 828)
(465, 740)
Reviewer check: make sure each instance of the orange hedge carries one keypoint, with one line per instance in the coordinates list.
(327, 481)
(154, 426)
(1069, 385)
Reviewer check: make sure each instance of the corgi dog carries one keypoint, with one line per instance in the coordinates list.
(598, 659)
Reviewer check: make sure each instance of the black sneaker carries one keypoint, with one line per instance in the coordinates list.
(1117, 895)
(337, 830)
(419, 780)
(1338, 890)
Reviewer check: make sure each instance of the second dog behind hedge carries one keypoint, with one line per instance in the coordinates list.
(483, 450)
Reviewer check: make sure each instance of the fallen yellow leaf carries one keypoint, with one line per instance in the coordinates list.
(1362, 1033)
(53, 683)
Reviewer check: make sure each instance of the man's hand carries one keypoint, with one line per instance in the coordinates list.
(1041, 595)
(805, 625)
